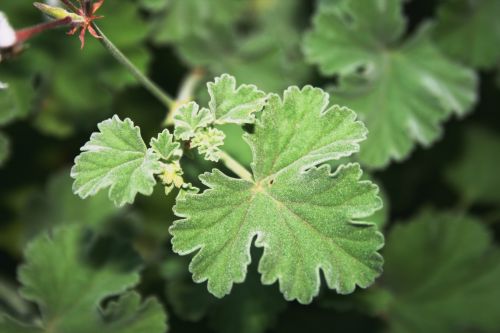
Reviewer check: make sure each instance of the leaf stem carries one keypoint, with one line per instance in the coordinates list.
(26, 33)
(144, 80)
(235, 167)
(186, 90)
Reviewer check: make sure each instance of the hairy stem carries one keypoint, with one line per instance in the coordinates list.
(185, 94)
(144, 80)
(235, 167)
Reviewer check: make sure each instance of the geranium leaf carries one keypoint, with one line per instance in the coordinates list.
(402, 90)
(442, 267)
(306, 218)
(69, 291)
(189, 118)
(231, 104)
(165, 146)
(115, 157)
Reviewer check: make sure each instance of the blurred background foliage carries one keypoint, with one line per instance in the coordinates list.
(442, 201)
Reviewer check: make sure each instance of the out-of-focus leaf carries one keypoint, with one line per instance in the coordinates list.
(469, 30)
(304, 216)
(257, 54)
(250, 308)
(69, 291)
(182, 19)
(442, 271)
(403, 91)
(58, 206)
(475, 174)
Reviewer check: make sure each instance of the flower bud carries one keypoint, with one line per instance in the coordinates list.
(58, 13)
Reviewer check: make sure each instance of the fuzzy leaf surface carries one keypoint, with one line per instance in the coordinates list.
(165, 146)
(115, 157)
(402, 90)
(189, 118)
(306, 218)
(231, 104)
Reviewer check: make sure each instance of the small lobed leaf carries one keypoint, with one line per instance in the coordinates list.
(165, 146)
(402, 90)
(229, 104)
(189, 118)
(115, 157)
(306, 218)
(208, 142)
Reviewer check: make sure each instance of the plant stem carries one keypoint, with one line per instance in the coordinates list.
(188, 86)
(144, 80)
(236, 167)
(26, 33)
(185, 94)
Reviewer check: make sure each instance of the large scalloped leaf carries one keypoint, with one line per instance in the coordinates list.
(403, 91)
(306, 218)
(69, 291)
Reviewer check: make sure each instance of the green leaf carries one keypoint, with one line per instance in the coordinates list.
(208, 142)
(402, 90)
(305, 217)
(115, 157)
(165, 146)
(475, 174)
(442, 267)
(69, 291)
(129, 315)
(475, 22)
(229, 104)
(189, 118)
(257, 54)
(181, 19)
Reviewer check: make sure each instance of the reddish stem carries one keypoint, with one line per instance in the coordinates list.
(26, 33)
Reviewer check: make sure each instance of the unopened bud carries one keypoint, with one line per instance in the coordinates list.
(58, 13)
